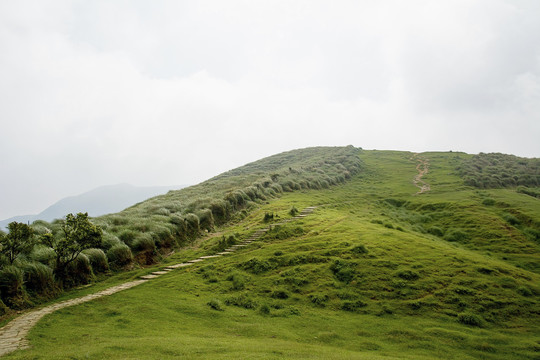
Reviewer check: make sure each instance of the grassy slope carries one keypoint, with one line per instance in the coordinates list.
(405, 295)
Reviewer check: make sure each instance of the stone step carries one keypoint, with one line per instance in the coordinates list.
(209, 256)
(149, 276)
(179, 265)
(195, 261)
(162, 272)
(224, 252)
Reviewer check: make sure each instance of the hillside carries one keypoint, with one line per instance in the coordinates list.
(99, 201)
(401, 258)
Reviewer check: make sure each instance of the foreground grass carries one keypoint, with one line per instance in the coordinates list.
(373, 273)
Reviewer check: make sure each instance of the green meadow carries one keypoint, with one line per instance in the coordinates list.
(377, 271)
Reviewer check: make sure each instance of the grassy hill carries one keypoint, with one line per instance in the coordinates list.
(377, 271)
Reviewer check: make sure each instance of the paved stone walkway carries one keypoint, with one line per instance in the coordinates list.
(13, 335)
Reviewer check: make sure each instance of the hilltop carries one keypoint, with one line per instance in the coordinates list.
(404, 256)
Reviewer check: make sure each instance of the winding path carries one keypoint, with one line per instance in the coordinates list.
(13, 335)
(423, 168)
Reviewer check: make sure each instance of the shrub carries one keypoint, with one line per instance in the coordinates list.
(268, 217)
(359, 249)
(435, 230)
(238, 280)
(525, 291)
(243, 301)
(44, 255)
(264, 309)
(128, 236)
(11, 284)
(98, 259)
(408, 275)
(342, 270)
(353, 305)
(256, 266)
(120, 255)
(469, 319)
(319, 299)
(456, 235)
(109, 240)
(215, 304)
(511, 219)
(280, 294)
(38, 277)
(293, 211)
(488, 202)
(192, 226)
(144, 243)
(79, 271)
(206, 219)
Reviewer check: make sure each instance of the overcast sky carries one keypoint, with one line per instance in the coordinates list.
(174, 92)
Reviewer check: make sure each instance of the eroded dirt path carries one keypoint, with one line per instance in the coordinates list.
(423, 168)
(13, 335)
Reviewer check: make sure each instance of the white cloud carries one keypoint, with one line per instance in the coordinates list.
(98, 92)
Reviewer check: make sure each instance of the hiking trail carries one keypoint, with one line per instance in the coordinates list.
(13, 335)
(423, 168)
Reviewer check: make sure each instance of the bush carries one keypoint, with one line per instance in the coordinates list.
(215, 304)
(98, 259)
(11, 284)
(109, 240)
(192, 226)
(353, 305)
(359, 249)
(256, 266)
(128, 236)
(144, 243)
(456, 235)
(435, 230)
(38, 278)
(264, 309)
(511, 219)
(293, 211)
(206, 219)
(408, 275)
(343, 271)
(469, 319)
(488, 202)
(280, 294)
(79, 271)
(120, 255)
(238, 280)
(243, 301)
(44, 255)
(319, 299)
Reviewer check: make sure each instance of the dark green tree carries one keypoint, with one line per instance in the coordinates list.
(78, 234)
(18, 240)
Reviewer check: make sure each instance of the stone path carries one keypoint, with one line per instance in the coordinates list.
(422, 168)
(13, 335)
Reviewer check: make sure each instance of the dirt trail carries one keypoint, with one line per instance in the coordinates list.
(423, 168)
(13, 335)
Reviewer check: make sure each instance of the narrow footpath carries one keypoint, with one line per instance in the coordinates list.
(423, 168)
(13, 335)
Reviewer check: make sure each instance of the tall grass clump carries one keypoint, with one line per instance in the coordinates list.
(79, 271)
(119, 255)
(38, 278)
(98, 260)
(11, 286)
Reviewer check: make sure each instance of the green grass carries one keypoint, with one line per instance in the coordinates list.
(375, 272)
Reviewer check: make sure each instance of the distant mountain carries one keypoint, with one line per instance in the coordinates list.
(100, 201)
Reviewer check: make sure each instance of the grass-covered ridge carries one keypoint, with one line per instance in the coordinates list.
(143, 233)
(375, 272)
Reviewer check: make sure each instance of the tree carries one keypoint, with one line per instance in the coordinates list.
(79, 234)
(19, 240)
